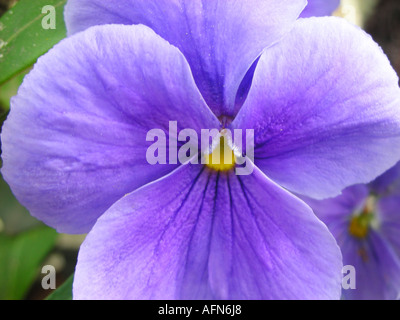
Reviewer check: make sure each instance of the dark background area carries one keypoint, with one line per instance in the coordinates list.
(384, 26)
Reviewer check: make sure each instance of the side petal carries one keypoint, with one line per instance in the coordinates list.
(388, 211)
(320, 8)
(325, 106)
(220, 39)
(75, 140)
(197, 234)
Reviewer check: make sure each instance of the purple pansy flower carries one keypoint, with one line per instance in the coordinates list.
(320, 8)
(323, 101)
(365, 220)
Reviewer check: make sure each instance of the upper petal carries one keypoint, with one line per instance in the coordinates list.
(209, 236)
(325, 106)
(75, 140)
(320, 8)
(220, 39)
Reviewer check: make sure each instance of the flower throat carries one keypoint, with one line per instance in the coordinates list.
(222, 158)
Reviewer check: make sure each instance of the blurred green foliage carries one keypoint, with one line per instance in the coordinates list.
(64, 292)
(22, 37)
(13, 216)
(9, 89)
(21, 257)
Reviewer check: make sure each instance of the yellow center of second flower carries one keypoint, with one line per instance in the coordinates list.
(359, 227)
(222, 158)
(361, 223)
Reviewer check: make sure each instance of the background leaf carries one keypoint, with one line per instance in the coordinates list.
(14, 218)
(22, 37)
(10, 89)
(64, 292)
(21, 258)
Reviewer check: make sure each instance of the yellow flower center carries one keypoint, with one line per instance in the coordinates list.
(222, 158)
(359, 227)
(361, 223)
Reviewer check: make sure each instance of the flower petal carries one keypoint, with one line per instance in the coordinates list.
(209, 236)
(271, 246)
(75, 140)
(325, 106)
(377, 268)
(376, 264)
(337, 212)
(388, 210)
(388, 183)
(220, 39)
(320, 8)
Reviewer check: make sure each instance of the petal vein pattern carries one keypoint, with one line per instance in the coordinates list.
(213, 235)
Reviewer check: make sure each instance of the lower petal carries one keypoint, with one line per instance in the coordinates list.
(199, 234)
(377, 268)
(389, 219)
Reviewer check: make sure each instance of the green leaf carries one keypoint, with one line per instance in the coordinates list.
(10, 89)
(22, 37)
(21, 257)
(14, 218)
(64, 292)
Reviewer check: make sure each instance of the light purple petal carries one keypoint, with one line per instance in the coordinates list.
(320, 8)
(220, 39)
(196, 234)
(377, 268)
(325, 106)
(75, 140)
(388, 210)
(280, 250)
